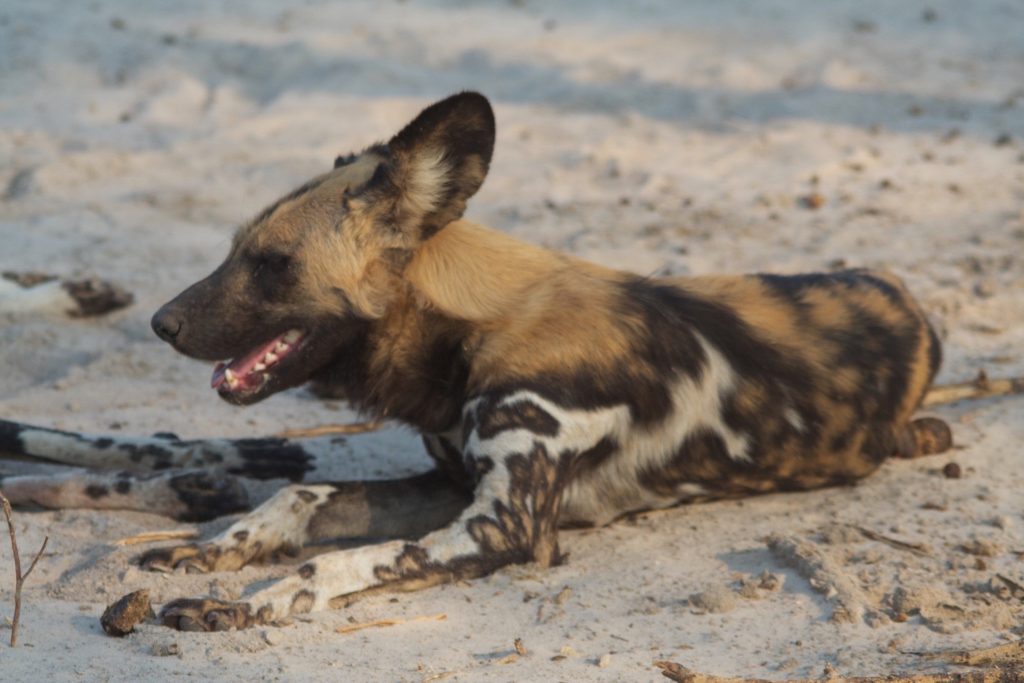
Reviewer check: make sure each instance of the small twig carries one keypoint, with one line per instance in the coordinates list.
(379, 623)
(329, 430)
(1016, 590)
(157, 536)
(916, 548)
(1005, 655)
(19, 578)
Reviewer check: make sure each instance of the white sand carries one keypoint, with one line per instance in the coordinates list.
(659, 138)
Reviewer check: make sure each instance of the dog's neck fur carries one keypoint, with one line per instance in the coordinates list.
(466, 296)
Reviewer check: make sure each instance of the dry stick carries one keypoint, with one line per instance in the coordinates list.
(980, 387)
(916, 548)
(329, 430)
(156, 536)
(376, 623)
(19, 578)
(680, 674)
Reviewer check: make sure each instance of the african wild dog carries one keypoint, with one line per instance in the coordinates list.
(548, 390)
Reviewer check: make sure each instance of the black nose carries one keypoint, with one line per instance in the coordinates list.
(166, 324)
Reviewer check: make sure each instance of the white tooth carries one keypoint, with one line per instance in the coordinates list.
(259, 367)
(230, 379)
(281, 347)
(270, 358)
(292, 336)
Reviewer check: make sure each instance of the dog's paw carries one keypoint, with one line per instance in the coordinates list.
(194, 558)
(188, 614)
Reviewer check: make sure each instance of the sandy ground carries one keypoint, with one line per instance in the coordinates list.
(666, 137)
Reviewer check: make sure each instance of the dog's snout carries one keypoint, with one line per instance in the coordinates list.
(166, 324)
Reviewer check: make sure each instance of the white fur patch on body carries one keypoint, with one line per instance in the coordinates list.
(600, 495)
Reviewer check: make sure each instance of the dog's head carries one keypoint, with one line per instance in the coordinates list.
(310, 271)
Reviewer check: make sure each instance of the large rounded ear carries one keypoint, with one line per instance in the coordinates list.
(439, 161)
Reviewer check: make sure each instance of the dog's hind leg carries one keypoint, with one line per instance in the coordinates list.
(186, 495)
(302, 514)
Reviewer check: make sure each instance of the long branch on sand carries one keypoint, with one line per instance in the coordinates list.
(19, 578)
(331, 430)
(1003, 664)
(980, 387)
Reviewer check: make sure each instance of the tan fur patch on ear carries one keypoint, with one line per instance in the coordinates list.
(423, 186)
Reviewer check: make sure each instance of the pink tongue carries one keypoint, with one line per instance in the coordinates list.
(242, 366)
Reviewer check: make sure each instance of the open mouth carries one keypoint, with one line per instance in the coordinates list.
(251, 372)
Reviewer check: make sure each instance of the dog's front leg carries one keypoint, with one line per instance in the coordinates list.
(513, 519)
(313, 513)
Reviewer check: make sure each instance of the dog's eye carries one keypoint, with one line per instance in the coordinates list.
(272, 263)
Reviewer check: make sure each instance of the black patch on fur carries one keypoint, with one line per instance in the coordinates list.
(169, 436)
(306, 496)
(271, 459)
(478, 466)
(934, 353)
(841, 441)
(123, 486)
(451, 453)
(307, 570)
(448, 458)
(140, 452)
(206, 497)
(344, 160)
(523, 414)
(595, 456)
(96, 491)
(426, 390)
(241, 536)
(10, 438)
(273, 274)
(303, 601)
